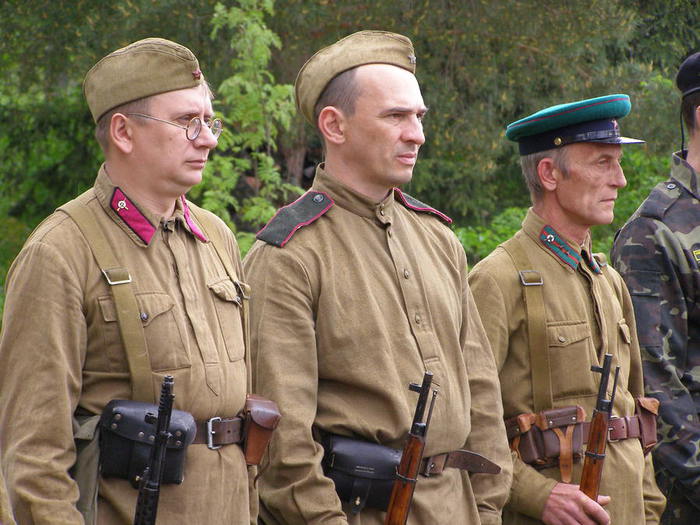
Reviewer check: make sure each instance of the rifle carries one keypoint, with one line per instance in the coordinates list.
(407, 471)
(598, 432)
(149, 484)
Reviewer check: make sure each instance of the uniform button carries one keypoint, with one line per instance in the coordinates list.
(562, 339)
(418, 319)
(381, 212)
(144, 316)
(318, 198)
(670, 185)
(406, 273)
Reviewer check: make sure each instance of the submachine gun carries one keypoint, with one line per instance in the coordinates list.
(149, 484)
(407, 471)
(598, 432)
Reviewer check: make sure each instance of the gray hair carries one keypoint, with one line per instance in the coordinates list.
(529, 164)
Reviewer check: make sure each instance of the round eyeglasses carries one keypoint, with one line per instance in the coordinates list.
(194, 126)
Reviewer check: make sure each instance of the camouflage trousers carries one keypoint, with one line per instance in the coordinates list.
(679, 509)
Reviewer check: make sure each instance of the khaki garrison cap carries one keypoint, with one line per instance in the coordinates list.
(358, 49)
(141, 69)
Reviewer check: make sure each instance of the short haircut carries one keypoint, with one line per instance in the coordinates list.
(688, 106)
(140, 105)
(341, 92)
(529, 164)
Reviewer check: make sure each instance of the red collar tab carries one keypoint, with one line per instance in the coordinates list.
(132, 216)
(188, 219)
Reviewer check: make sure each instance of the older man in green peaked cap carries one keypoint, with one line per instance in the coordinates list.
(658, 254)
(121, 286)
(551, 310)
(359, 290)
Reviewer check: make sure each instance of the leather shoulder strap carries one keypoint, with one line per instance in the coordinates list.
(128, 313)
(535, 311)
(213, 233)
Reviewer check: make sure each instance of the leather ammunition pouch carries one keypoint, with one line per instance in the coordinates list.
(126, 441)
(260, 417)
(549, 438)
(647, 408)
(363, 472)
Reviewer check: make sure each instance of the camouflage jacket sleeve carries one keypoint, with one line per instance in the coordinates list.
(661, 272)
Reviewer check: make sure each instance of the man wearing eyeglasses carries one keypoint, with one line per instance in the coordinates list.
(68, 339)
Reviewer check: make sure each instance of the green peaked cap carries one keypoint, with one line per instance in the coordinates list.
(590, 120)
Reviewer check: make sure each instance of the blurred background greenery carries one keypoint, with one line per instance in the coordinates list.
(481, 65)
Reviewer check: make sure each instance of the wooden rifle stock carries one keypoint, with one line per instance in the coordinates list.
(598, 432)
(409, 467)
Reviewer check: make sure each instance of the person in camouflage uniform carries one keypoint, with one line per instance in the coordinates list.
(658, 254)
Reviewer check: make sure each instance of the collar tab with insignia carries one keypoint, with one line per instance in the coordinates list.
(565, 253)
(127, 211)
(414, 204)
(289, 219)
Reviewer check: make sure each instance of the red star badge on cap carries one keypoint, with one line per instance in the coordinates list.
(197, 74)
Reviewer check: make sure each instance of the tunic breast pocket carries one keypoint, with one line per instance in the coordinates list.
(570, 359)
(228, 302)
(162, 328)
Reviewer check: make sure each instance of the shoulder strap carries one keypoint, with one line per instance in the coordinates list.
(128, 314)
(536, 324)
(214, 235)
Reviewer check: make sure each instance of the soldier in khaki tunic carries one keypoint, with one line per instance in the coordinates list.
(61, 353)
(359, 289)
(571, 163)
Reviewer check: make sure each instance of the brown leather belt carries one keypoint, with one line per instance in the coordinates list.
(461, 459)
(619, 428)
(217, 432)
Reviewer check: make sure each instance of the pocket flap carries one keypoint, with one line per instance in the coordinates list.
(225, 290)
(625, 331)
(151, 305)
(566, 334)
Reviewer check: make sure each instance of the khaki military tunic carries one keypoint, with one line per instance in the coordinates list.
(61, 350)
(354, 307)
(5, 512)
(587, 315)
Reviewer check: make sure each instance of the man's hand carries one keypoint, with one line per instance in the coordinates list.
(567, 505)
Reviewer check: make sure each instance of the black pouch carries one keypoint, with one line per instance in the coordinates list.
(126, 441)
(363, 472)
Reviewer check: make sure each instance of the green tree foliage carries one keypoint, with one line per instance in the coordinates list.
(255, 108)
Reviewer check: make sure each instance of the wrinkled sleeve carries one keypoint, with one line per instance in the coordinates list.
(42, 349)
(653, 264)
(292, 487)
(488, 434)
(530, 489)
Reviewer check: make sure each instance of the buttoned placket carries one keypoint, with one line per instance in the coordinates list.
(409, 282)
(176, 239)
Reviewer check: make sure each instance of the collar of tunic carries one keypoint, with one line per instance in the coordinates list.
(567, 252)
(684, 174)
(351, 200)
(139, 223)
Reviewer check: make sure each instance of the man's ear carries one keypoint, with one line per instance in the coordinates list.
(121, 133)
(332, 124)
(548, 174)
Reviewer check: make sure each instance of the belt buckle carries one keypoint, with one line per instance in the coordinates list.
(610, 429)
(211, 432)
